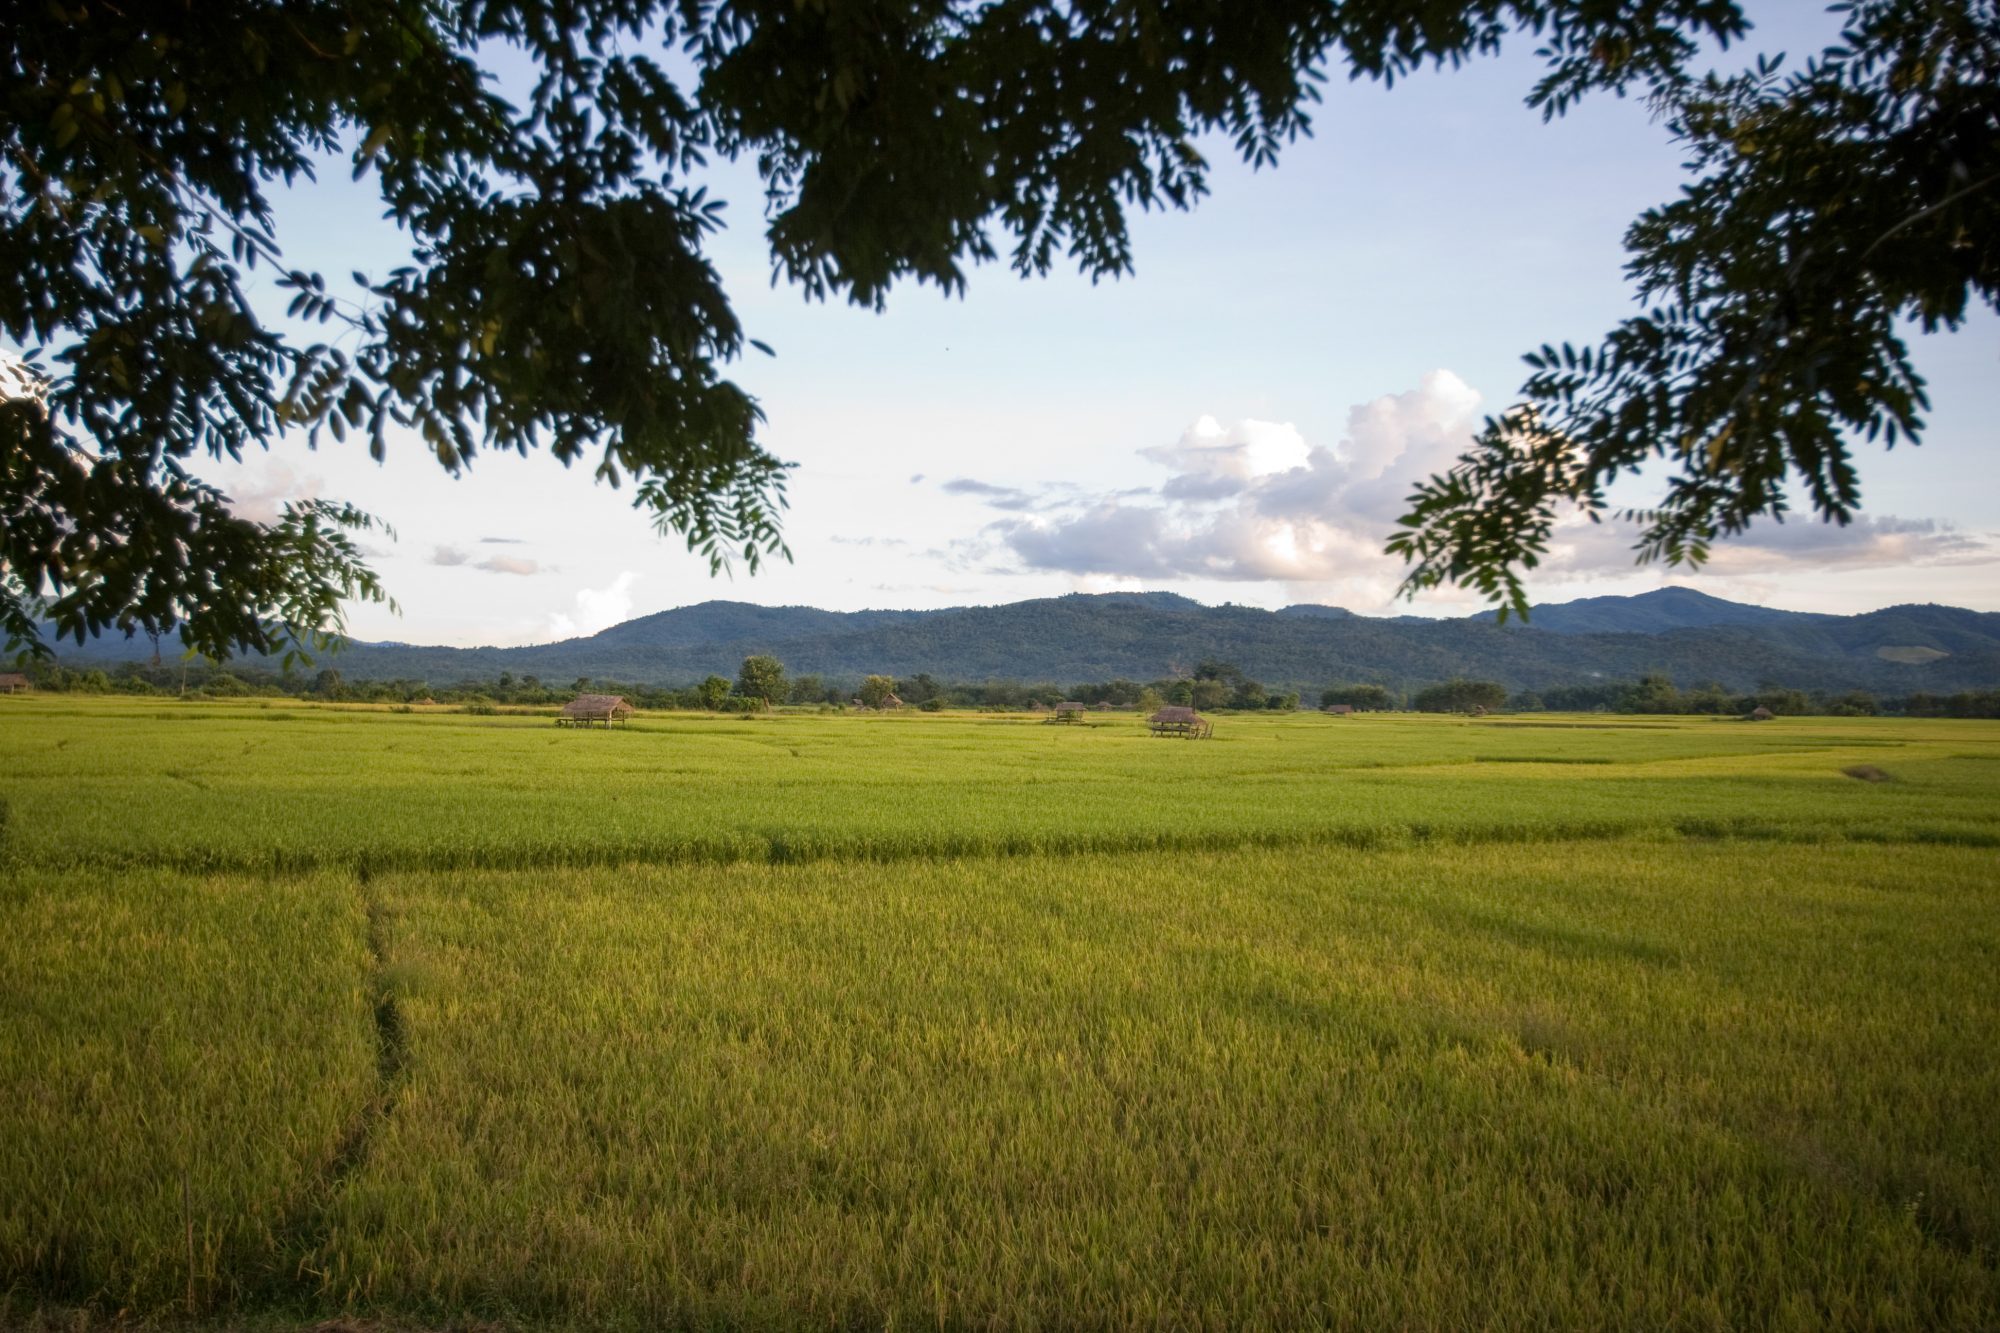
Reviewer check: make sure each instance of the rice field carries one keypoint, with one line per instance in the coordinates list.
(943, 1021)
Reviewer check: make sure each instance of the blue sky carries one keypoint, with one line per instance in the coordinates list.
(1237, 421)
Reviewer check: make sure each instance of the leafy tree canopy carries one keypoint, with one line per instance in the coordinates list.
(1364, 697)
(1459, 696)
(557, 294)
(1833, 203)
(761, 677)
(712, 692)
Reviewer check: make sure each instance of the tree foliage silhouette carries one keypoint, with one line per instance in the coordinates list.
(557, 295)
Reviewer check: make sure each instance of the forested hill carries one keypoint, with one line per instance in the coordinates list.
(1656, 612)
(1145, 636)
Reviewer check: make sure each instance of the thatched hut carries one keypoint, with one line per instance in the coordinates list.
(590, 710)
(1069, 710)
(1760, 714)
(1176, 720)
(1339, 710)
(13, 682)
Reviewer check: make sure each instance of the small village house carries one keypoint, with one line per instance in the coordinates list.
(1069, 710)
(13, 682)
(1339, 710)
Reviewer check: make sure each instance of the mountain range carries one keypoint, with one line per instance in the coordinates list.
(1143, 636)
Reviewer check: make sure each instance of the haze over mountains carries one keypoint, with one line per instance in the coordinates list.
(1144, 636)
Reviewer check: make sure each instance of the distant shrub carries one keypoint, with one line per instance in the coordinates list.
(932, 705)
(479, 707)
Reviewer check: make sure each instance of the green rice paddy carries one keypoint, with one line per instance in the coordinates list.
(943, 1021)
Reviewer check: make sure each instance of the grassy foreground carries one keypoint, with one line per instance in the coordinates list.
(1392, 1022)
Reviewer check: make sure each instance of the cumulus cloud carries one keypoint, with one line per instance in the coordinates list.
(1256, 501)
(262, 498)
(595, 609)
(449, 556)
(1210, 462)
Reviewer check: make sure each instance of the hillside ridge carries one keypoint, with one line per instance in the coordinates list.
(1689, 635)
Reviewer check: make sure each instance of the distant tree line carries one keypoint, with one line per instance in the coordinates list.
(762, 683)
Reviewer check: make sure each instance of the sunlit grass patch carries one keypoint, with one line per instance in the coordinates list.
(102, 783)
(181, 1060)
(1383, 1022)
(1250, 1087)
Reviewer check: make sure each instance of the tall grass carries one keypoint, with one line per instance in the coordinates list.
(181, 1062)
(285, 789)
(1379, 1023)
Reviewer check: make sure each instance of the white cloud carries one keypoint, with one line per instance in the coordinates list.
(1870, 541)
(19, 381)
(595, 609)
(1805, 544)
(263, 495)
(1213, 463)
(1255, 501)
(451, 557)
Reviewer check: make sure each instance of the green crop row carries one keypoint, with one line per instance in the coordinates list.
(91, 783)
(1368, 1022)
(1606, 1084)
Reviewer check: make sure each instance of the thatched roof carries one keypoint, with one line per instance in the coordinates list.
(597, 706)
(1341, 710)
(1761, 714)
(1175, 713)
(1069, 706)
(13, 680)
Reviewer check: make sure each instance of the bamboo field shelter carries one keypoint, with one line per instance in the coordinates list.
(1175, 720)
(590, 710)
